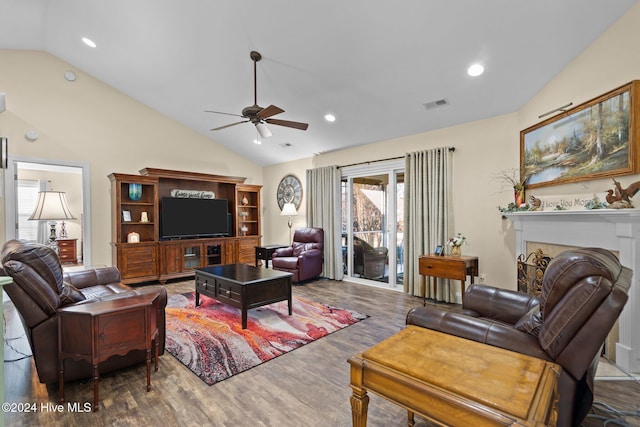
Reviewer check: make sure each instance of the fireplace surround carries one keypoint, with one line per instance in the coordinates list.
(615, 230)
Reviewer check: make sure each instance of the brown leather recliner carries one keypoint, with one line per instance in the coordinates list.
(304, 257)
(583, 293)
(40, 288)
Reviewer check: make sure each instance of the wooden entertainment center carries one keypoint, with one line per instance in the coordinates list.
(152, 259)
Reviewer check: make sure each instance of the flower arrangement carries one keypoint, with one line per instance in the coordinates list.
(457, 241)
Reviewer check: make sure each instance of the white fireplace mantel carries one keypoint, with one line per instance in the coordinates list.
(615, 230)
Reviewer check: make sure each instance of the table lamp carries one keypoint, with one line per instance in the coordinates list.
(52, 206)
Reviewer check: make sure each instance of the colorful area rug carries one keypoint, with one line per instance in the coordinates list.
(210, 341)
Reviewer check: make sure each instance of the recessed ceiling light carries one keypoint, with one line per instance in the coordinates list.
(475, 70)
(330, 117)
(257, 141)
(88, 42)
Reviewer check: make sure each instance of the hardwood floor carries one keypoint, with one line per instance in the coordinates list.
(306, 387)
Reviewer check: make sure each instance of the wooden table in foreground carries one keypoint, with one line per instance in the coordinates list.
(114, 327)
(454, 381)
(446, 267)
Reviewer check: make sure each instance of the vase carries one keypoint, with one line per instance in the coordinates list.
(456, 250)
(135, 191)
(519, 197)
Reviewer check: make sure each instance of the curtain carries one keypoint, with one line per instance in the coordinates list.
(427, 215)
(324, 210)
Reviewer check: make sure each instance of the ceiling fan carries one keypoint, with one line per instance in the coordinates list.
(257, 115)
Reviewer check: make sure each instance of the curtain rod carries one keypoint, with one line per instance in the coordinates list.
(452, 149)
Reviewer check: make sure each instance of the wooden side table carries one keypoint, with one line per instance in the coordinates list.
(453, 381)
(446, 267)
(67, 251)
(97, 331)
(265, 253)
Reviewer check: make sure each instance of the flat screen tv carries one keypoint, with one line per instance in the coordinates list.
(191, 218)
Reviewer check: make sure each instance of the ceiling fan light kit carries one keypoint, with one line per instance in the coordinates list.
(257, 115)
(263, 130)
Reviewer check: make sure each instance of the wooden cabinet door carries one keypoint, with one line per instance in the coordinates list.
(138, 260)
(171, 257)
(247, 250)
(231, 251)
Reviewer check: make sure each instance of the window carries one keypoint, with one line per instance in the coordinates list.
(27, 198)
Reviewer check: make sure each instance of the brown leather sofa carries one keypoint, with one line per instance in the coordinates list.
(304, 257)
(40, 288)
(583, 293)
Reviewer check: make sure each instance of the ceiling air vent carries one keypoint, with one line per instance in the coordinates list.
(436, 104)
(286, 145)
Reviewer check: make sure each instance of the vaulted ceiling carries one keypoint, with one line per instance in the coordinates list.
(374, 64)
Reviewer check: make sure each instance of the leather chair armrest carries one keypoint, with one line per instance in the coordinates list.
(311, 254)
(282, 252)
(92, 277)
(480, 330)
(499, 304)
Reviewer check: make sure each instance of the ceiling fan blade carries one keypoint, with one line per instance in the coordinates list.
(287, 123)
(220, 112)
(232, 124)
(271, 110)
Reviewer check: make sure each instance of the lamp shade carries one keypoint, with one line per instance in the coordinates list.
(263, 130)
(289, 209)
(52, 205)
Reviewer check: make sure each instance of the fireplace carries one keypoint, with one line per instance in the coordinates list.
(615, 230)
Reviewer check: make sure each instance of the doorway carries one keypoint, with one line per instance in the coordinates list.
(26, 177)
(372, 223)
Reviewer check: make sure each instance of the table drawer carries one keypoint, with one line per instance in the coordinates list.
(228, 292)
(441, 268)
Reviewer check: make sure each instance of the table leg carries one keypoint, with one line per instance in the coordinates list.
(410, 419)
(359, 405)
(256, 257)
(197, 298)
(95, 388)
(61, 381)
(423, 284)
(148, 369)
(244, 318)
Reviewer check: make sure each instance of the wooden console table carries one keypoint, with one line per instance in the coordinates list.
(454, 381)
(97, 331)
(446, 267)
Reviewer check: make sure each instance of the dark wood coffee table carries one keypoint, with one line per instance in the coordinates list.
(243, 286)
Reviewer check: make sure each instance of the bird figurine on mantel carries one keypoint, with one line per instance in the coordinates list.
(620, 198)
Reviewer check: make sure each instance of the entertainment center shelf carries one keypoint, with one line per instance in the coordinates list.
(138, 249)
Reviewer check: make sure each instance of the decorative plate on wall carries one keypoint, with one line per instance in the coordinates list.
(289, 191)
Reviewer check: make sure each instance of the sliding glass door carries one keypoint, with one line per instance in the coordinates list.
(372, 202)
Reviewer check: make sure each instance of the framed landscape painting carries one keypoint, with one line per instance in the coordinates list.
(597, 139)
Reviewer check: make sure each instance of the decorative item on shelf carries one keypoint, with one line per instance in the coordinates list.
(144, 217)
(243, 230)
(456, 243)
(535, 204)
(512, 178)
(135, 191)
(289, 209)
(126, 216)
(52, 206)
(245, 201)
(620, 198)
(133, 237)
